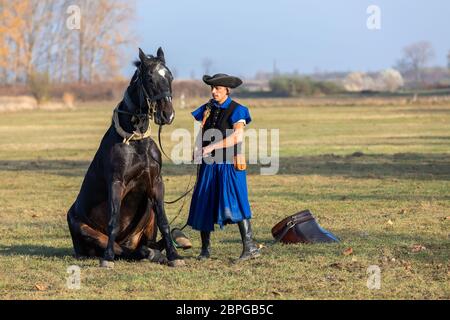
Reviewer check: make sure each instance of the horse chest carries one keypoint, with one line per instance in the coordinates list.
(138, 180)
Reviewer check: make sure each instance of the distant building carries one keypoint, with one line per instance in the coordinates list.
(256, 85)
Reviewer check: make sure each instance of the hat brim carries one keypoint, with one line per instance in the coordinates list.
(223, 81)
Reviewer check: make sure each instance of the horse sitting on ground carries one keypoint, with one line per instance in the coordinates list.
(121, 200)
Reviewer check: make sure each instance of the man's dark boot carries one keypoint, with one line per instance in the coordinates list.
(204, 254)
(250, 250)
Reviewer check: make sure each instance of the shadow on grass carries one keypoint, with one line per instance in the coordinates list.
(372, 244)
(400, 245)
(419, 166)
(35, 250)
(402, 166)
(59, 167)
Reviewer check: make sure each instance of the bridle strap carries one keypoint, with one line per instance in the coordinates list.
(160, 144)
(160, 96)
(144, 97)
(151, 101)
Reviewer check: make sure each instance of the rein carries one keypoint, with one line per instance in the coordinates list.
(144, 96)
(151, 102)
(188, 190)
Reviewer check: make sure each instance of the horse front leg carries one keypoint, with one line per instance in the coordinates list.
(115, 194)
(157, 193)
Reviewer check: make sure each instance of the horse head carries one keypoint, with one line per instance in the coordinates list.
(155, 81)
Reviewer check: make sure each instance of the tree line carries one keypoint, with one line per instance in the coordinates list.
(411, 71)
(63, 41)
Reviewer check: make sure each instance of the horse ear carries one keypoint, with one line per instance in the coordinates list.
(142, 55)
(160, 55)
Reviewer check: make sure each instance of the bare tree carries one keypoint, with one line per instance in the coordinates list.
(206, 64)
(102, 36)
(415, 58)
(448, 60)
(25, 35)
(34, 38)
(12, 24)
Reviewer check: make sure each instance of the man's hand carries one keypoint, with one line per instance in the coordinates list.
(207, 150)
(197, 155)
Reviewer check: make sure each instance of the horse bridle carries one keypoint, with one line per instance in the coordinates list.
(151, 101)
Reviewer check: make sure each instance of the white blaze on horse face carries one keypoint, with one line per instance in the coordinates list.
(162, 72)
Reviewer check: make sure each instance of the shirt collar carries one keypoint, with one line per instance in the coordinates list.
(224, 105)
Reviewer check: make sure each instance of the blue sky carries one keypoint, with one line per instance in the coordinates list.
(243, 37)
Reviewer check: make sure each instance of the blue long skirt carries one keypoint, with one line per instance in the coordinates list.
(220, 197)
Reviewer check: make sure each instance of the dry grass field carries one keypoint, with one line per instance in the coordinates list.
(390, 205)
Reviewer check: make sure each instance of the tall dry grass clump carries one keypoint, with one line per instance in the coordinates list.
(19, 103)
(68, 99)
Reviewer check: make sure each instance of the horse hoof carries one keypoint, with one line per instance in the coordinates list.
(106, 264)
(176, 263)
(156, 256)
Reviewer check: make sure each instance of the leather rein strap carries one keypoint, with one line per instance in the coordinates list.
(151, 103)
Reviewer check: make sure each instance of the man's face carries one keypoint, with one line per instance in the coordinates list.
(219, 93)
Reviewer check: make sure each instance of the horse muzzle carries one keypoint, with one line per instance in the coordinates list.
(165, 113)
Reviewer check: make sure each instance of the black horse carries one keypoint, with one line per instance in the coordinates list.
(121, 200)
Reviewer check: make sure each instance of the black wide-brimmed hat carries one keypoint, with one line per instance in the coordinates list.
(223, 80)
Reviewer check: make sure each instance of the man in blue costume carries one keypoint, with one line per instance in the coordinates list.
(220, 196)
